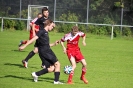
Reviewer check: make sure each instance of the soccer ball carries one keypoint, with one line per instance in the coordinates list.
(67, 69)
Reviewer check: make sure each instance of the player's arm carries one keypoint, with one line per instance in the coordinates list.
(83, 41)
(54, 44)
(28, 43)
(63, 47)
(33, 29)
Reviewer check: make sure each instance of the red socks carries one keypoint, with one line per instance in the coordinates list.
(24, 42)
(83, 71)
(70, 76)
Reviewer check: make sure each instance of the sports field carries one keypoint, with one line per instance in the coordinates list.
(109, 63)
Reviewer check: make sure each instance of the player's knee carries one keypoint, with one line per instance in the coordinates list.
(57, 64)
(84, 64)
(51, 69)
(35, 51)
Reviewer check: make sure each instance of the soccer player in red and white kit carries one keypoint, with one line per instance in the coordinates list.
(73, 52)
(31, 30)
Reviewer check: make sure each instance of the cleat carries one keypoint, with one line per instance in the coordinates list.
(58, 82)
(35, 77)
(25, 63)
(20, 44)
(84, 80)
(70, 82)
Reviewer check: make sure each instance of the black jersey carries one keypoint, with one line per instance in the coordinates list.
(43, 39)
(40, 22)
(45, 52)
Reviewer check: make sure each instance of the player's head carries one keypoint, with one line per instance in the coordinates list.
(39, 15)
(74, 30)
(45, 12)
(49, 24)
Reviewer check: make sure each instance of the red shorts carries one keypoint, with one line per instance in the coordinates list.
(75, 53)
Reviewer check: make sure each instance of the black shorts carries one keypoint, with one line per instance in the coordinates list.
(46, 64)
(47, 56)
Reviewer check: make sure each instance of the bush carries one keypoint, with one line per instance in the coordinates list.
(9, 24)
(20, 25)
(63, 27)
(126, 31)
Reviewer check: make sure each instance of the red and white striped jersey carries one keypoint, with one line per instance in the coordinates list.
(34, 20)
(72, 41)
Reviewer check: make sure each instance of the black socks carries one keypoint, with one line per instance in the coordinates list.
(41, 72)
(31, 54)
(57, 75)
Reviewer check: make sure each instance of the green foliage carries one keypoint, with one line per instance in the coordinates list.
(20, 25)
(24, 14)
(65, 28)
(118, 4)
(126, 31)
(34, 12)
(117, 31)
(83, 28)
(100, 11)
(96, 4)
(14, 24)
(9, 24)
(72, 17)
(99, 30)
(101, 18)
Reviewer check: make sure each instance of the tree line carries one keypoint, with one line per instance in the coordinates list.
(100, 11)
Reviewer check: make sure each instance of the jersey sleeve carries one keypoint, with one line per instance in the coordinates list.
(66, 37)
(34, 20)
(38, 21)
(63, 39)
(82, 34)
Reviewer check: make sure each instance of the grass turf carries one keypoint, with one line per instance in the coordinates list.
(109, 63)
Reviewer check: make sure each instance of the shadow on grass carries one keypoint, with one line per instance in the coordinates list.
(19, 51)
(18, 65)
(46, 79)
(18, 77)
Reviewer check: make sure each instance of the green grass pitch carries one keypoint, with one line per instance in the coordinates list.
(109, 63)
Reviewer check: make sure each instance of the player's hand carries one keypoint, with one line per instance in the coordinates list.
(84, 43)
(21, 48)
(57, 42)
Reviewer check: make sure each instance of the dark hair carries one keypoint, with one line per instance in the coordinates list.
(47, 22)
(44, 9)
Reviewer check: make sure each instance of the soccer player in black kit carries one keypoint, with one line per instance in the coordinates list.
(45, 52)
(40, 22)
